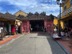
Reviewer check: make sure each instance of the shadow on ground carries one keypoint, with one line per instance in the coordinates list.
(55, 47)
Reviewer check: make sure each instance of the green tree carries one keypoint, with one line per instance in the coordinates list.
(36, 13)
(43, 13)
(30, 14)
(51, 17)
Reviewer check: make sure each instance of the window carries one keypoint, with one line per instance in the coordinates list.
(65, 7)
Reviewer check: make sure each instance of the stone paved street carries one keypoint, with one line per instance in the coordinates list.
(33, 43)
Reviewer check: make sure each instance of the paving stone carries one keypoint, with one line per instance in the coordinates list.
(33, 44)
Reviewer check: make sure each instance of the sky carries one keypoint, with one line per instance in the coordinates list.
(12, 6)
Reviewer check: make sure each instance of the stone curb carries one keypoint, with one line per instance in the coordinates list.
(66, 51)
(63, 48)
(10, 42)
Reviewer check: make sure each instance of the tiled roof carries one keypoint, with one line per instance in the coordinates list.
(8, 16)
(1, 14)
(35, 17)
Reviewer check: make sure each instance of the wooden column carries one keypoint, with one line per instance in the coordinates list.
(48, 25)
(25, 26)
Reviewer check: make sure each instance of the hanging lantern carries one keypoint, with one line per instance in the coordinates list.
(18, 22)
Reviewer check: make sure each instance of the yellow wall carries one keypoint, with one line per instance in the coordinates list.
(67, 4)
(55, 21)
(62, 24)
(21, 13)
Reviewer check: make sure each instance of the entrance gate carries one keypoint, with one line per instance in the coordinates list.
(36, 25)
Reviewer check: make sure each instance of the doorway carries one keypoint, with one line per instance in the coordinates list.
(37, 25)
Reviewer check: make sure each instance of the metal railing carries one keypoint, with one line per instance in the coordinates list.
(68, 11)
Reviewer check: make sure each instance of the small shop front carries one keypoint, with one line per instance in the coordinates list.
(67, 22)
(2, 31)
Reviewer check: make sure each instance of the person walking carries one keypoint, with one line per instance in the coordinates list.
(66, 32)
(71, 33)
(16, 29)
(62, 34)
(13, 30)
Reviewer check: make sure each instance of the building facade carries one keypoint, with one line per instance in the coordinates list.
(35, 22)
(67, 13)
(7, 23)
(22, 22)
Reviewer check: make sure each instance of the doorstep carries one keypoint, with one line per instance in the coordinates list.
(7, 39)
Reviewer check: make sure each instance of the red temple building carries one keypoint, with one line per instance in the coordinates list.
(35, 22)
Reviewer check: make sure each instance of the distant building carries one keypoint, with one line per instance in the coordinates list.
(35, 22)
(67, 13)
(22, 22)
(20, 13)
(7, 24)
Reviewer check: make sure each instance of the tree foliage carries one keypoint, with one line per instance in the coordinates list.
(51, 16)
(36, 13)
(30, 14)
(43, 13)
